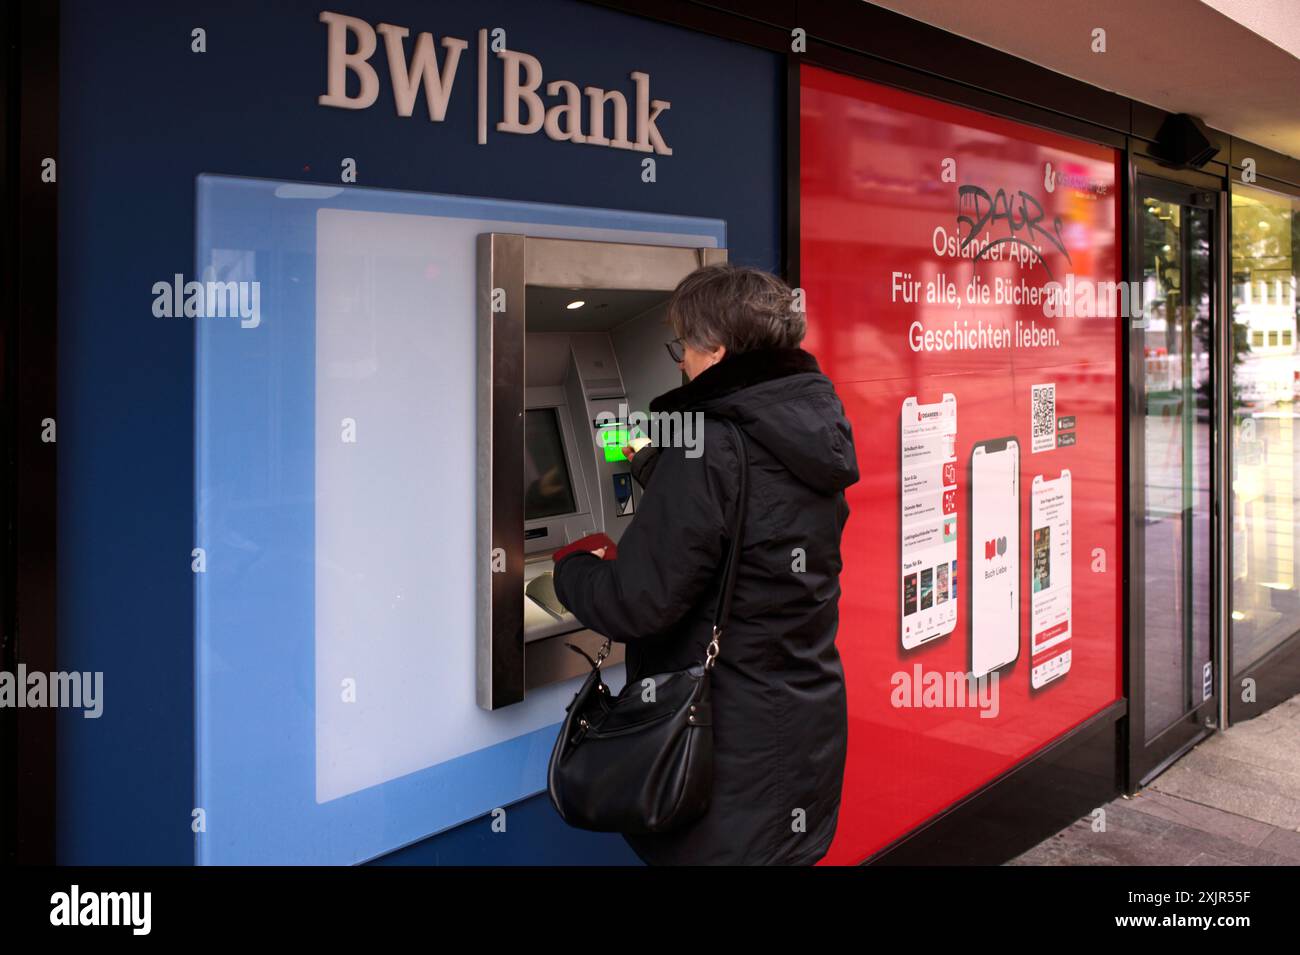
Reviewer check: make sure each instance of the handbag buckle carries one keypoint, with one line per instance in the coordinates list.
(600, 656)
(583, 726)
(711, 653)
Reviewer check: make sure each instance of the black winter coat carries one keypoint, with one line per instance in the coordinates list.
(780, 716)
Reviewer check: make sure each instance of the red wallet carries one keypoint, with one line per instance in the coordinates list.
(590, 542)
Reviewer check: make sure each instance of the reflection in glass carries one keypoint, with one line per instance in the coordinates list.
(1178, 392)
(1265, 438)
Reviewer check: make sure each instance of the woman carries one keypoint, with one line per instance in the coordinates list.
(780, 721)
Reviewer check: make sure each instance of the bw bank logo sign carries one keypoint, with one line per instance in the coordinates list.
(592, 115)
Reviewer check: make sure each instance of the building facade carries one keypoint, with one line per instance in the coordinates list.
(245, 407)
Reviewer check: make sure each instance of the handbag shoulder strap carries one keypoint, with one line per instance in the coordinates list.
(733, 553)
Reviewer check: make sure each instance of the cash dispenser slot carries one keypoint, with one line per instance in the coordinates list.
(571, 342)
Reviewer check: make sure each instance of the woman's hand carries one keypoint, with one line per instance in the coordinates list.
(635, 445)
(598, 544)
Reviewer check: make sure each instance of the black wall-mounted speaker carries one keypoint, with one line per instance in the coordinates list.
(1184, 141)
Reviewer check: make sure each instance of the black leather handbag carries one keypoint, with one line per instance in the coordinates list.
(624, 764)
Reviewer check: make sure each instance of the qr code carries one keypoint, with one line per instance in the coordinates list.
(1043, 419)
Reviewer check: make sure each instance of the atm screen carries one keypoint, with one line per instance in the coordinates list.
(548, 490)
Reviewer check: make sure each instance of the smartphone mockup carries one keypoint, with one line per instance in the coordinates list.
(994, 551)
(1049, 579)
(928, 520)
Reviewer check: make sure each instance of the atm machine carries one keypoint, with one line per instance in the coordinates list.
(571, 341)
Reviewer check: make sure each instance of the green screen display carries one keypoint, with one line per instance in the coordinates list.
(613, 440)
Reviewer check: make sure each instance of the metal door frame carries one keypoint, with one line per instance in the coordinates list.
(1144, 760)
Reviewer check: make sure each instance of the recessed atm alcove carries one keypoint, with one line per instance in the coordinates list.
(556, 381)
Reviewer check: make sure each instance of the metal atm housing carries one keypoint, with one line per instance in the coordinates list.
(550, 469)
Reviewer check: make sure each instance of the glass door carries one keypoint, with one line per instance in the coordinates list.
(1173, 447)
(1265, 429)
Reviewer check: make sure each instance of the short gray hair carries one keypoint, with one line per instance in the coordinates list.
(738, 306)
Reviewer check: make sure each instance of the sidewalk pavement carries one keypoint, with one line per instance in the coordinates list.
(1232, 800)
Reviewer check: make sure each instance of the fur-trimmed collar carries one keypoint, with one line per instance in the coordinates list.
(735, 372)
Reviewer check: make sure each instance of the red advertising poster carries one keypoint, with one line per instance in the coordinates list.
(961, 275)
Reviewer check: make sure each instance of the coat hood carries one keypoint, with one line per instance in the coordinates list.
(781, 399)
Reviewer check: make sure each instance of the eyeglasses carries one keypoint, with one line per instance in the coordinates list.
(677, 349)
